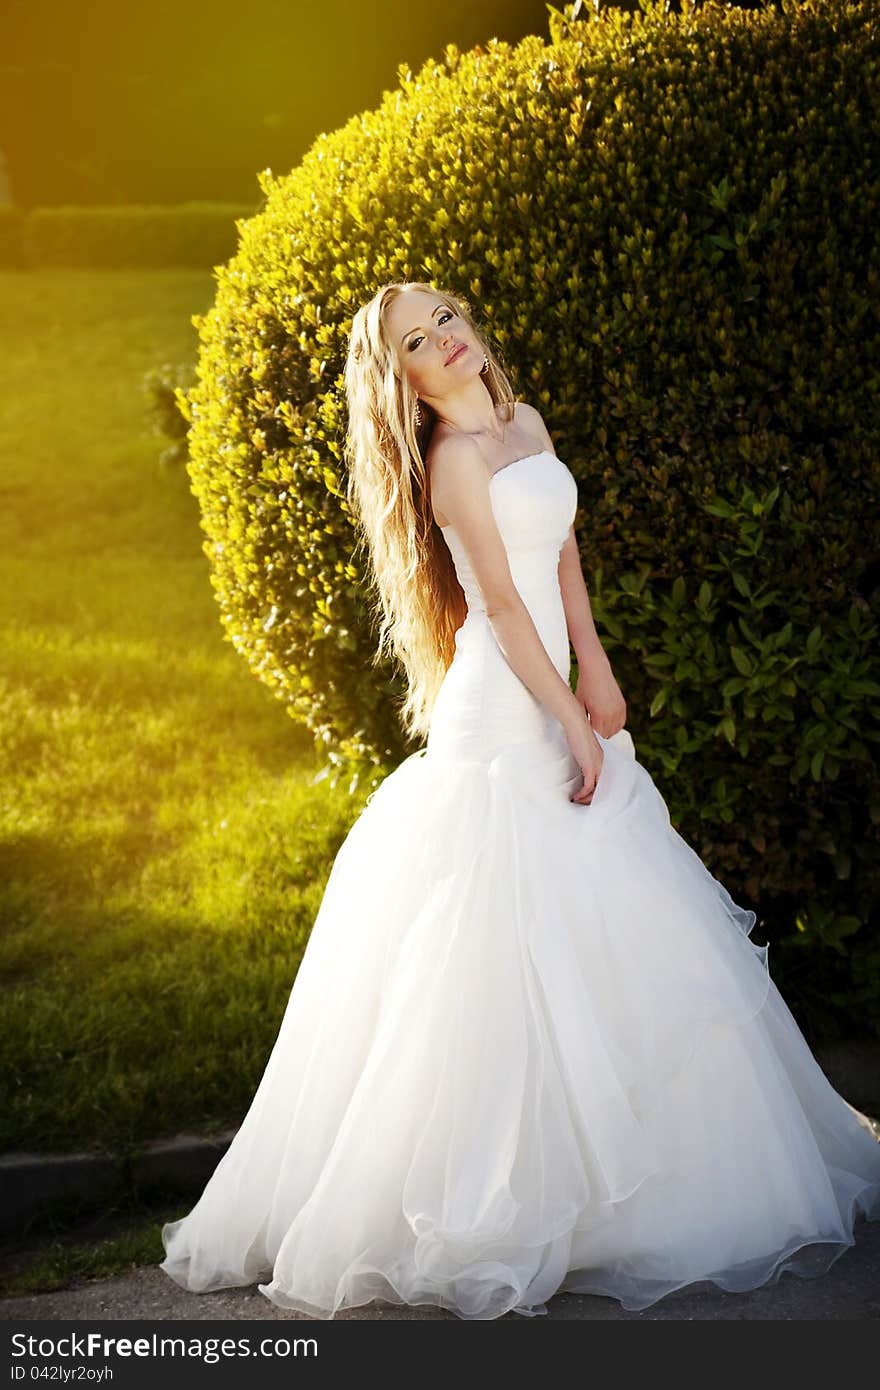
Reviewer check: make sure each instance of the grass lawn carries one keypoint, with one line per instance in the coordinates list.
(163, 849)
(121, 1240)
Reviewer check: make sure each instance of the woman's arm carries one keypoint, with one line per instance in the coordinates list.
(597, 690)
(578, 613)
(597, 693)
(576, 600)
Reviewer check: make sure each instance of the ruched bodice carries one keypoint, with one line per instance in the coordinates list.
(534, 500)
(483, 705)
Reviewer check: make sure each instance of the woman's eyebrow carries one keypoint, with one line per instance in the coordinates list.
(412, 330)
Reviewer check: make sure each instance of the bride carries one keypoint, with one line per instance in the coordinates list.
(530, 1046)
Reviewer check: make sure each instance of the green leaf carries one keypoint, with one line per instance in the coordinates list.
(733, 686)
(741, 661)
(741, 584)
(814, 640)
(659, 700)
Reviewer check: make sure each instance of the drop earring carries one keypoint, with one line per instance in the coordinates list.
(418, 416)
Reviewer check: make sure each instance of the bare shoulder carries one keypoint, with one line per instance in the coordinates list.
(453, 463)
(532, 420)
(453, 456)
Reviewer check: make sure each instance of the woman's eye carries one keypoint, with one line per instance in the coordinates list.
(447, 314)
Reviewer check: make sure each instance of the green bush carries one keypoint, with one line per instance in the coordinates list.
(185, 234)
(167, 408)
(667, 223)
(11, 249)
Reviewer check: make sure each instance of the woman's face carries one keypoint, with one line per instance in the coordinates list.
(426, 333)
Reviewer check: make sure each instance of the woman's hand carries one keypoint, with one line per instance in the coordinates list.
(600, 695)
(587, 753)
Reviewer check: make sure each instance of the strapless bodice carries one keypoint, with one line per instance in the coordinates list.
(483, 705)
(534, 500)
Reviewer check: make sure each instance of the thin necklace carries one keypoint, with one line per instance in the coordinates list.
(491, 434)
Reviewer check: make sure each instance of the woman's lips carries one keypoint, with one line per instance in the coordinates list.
(454, 356)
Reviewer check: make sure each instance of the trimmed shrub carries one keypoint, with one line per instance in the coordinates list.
(11, 248)
(185, 234)
(167, 408)
(667, 222)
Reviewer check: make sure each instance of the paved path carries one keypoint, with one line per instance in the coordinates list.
(849, 1290)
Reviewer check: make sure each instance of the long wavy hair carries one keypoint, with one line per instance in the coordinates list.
(413, 590)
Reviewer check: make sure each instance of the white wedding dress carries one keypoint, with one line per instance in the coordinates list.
(530, 1046)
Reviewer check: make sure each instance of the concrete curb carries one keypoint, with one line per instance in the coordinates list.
(36, 1184)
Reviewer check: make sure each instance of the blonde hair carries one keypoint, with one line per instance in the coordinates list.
(418, 600)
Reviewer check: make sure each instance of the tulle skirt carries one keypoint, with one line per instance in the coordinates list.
(531, 1047)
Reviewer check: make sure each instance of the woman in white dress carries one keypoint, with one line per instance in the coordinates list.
(530, 1046)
